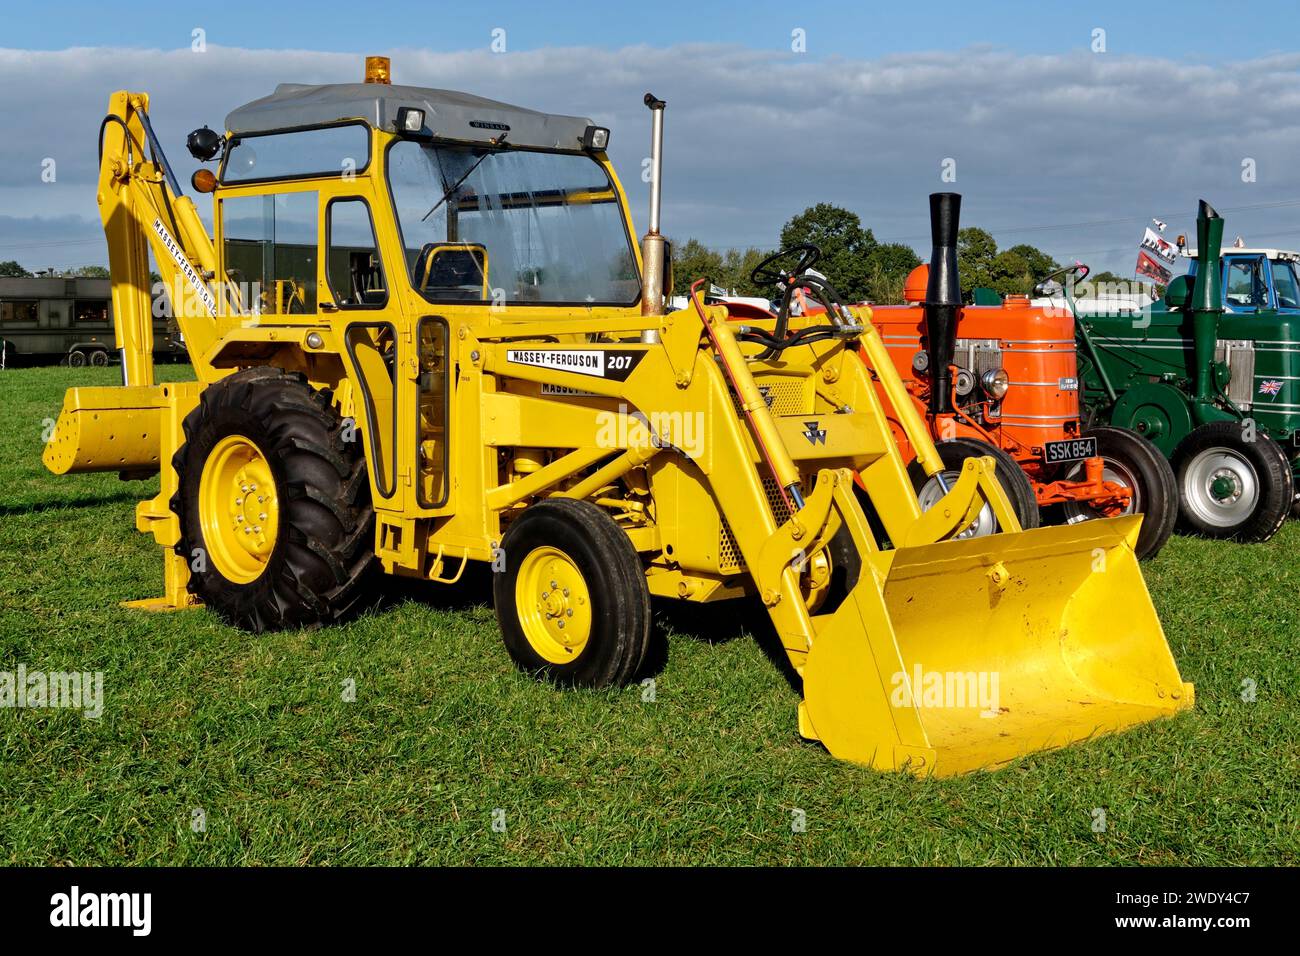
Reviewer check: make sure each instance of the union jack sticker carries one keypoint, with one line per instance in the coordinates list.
(1270, 387)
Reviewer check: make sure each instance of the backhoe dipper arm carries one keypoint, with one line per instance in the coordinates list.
(140, 203)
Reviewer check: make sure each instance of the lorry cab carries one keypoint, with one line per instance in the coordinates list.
(1257, 280)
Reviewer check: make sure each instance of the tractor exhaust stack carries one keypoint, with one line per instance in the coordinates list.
(1207, 301)
(942, 297)
(653, 251)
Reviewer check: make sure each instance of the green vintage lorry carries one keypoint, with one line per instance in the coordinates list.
(1211, 375)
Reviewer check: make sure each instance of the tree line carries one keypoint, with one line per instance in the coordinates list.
(861, 268)
(12, 269)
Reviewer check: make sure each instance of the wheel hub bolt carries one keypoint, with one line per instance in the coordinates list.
(1223, 487)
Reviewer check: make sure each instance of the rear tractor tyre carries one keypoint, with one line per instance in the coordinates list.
(572, 600)
(1134, 462)
(274, 504)
(1232, 488)
(953, 453)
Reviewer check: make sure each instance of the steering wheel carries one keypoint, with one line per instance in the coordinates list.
(1078, 267)
(768, 273)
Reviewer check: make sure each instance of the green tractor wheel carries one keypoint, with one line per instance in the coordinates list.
(1229, 487)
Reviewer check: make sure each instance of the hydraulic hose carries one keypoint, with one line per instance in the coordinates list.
(762, 428)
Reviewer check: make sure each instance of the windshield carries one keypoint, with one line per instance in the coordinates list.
(1284, 284)
(510, 226)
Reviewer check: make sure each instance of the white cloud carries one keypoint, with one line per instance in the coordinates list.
(755, 136)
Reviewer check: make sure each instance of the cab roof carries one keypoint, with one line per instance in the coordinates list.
(1251, 251)
(448, 114)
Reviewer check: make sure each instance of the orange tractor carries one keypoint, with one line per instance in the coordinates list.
(1002, 381)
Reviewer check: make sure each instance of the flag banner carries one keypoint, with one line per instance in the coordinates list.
(1160, 248)
(1147, 265)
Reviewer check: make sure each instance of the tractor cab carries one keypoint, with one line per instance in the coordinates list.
(365, 196)
(347, 213)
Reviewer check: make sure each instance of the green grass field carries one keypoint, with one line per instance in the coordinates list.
(254, 730)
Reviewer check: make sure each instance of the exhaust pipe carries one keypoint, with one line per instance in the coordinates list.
(942, 298)
(1207, 300)
(652, 243)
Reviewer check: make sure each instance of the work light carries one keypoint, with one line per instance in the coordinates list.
(410, 120)
(204, 144)
(595, 137)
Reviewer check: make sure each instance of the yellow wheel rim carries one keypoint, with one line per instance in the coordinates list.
(238, 509)
(816, 579)
(553, 604)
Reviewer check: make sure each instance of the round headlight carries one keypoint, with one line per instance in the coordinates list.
(996, 382)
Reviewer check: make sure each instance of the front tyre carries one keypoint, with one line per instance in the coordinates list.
(1134, 463)
(1232, 488)
(274, 504)
(572, 602)
(953, 453)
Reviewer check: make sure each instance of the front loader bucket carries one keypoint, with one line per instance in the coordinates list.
(967, 654)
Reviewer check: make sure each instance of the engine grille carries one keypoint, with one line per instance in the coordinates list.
(1239, 356)
(730, 559)
(978, 356)
(784, 396)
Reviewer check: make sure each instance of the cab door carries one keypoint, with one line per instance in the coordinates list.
(1245, 283)
(378, 347)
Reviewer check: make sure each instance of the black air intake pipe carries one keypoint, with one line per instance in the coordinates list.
(942, 298)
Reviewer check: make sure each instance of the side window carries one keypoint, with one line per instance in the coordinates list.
(1244, 286)
(270, 248)
(352, 265)
(18, 312)
(91, 312)
(1284, 284)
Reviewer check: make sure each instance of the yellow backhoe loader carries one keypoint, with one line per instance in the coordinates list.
(423, 334)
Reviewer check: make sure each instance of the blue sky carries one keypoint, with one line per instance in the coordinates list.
(1054, 143)
(1205, 30)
